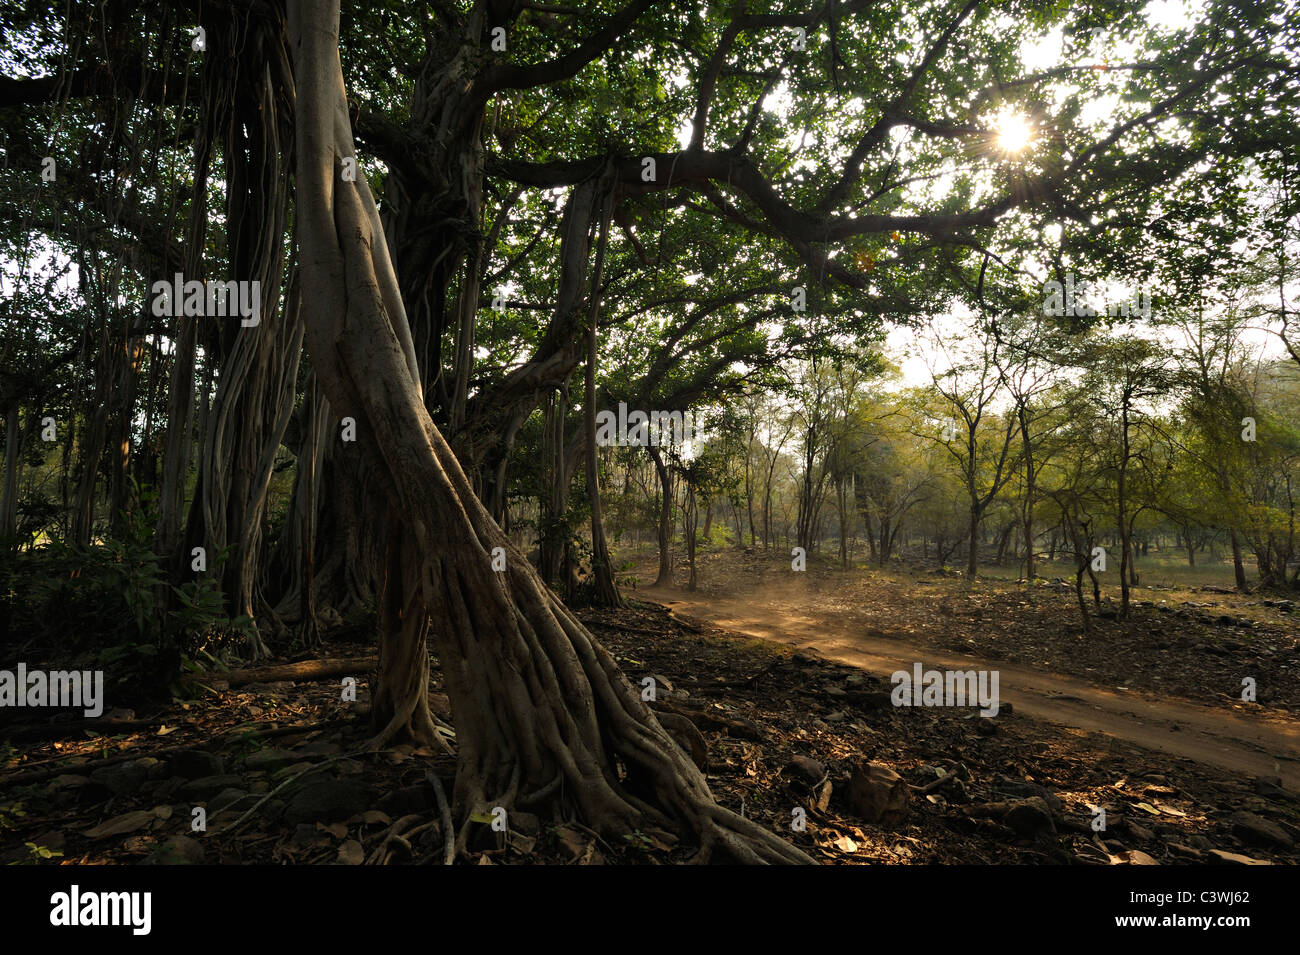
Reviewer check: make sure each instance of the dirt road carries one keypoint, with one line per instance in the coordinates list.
(1207, 734)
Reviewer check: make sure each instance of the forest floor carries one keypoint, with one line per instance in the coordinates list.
(1168, 678)
(278, 769)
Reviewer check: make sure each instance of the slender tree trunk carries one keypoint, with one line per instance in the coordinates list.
(841, 504)
(1121, 506)
(180, 388)
(119, 443)
(665, 577)
(1031, 483)
(1004, 538)
(9, 503)
(689, 522)
(604, 591)
(307, 463)
(92, 451)
(1238, 565)
(749, 490)
(554, 537)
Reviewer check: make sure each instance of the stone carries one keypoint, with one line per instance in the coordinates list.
(1251, 828)
(195, 764)
(1029, 817)
(269, 760)
(871, 700)
(123, 779)
(1223, 857)
(808, 782)
(806, 768)
(1139, 832)
(225, 799)
(1270, 787)
(878, 794)
(328, 800)
(178, 850)
(408, 799)
(205, 787)
(280, 775)
(316, 749)
(1024, 789)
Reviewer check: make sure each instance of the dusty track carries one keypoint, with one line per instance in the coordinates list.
(1207, 734)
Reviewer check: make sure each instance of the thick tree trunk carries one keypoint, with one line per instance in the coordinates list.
(542, 712)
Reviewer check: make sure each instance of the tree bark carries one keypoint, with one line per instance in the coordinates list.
(542, 712)
(604, 591)
(9, 502)
(1238, 565)
(665, 577)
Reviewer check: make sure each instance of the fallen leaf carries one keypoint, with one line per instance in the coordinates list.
(1147, 807)
(351, 853)
(573, 840)
(118, 825)
(661, 840)
(591, 856)
(1132, 857)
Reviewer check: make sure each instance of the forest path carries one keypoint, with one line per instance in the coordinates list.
(1206, 734)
